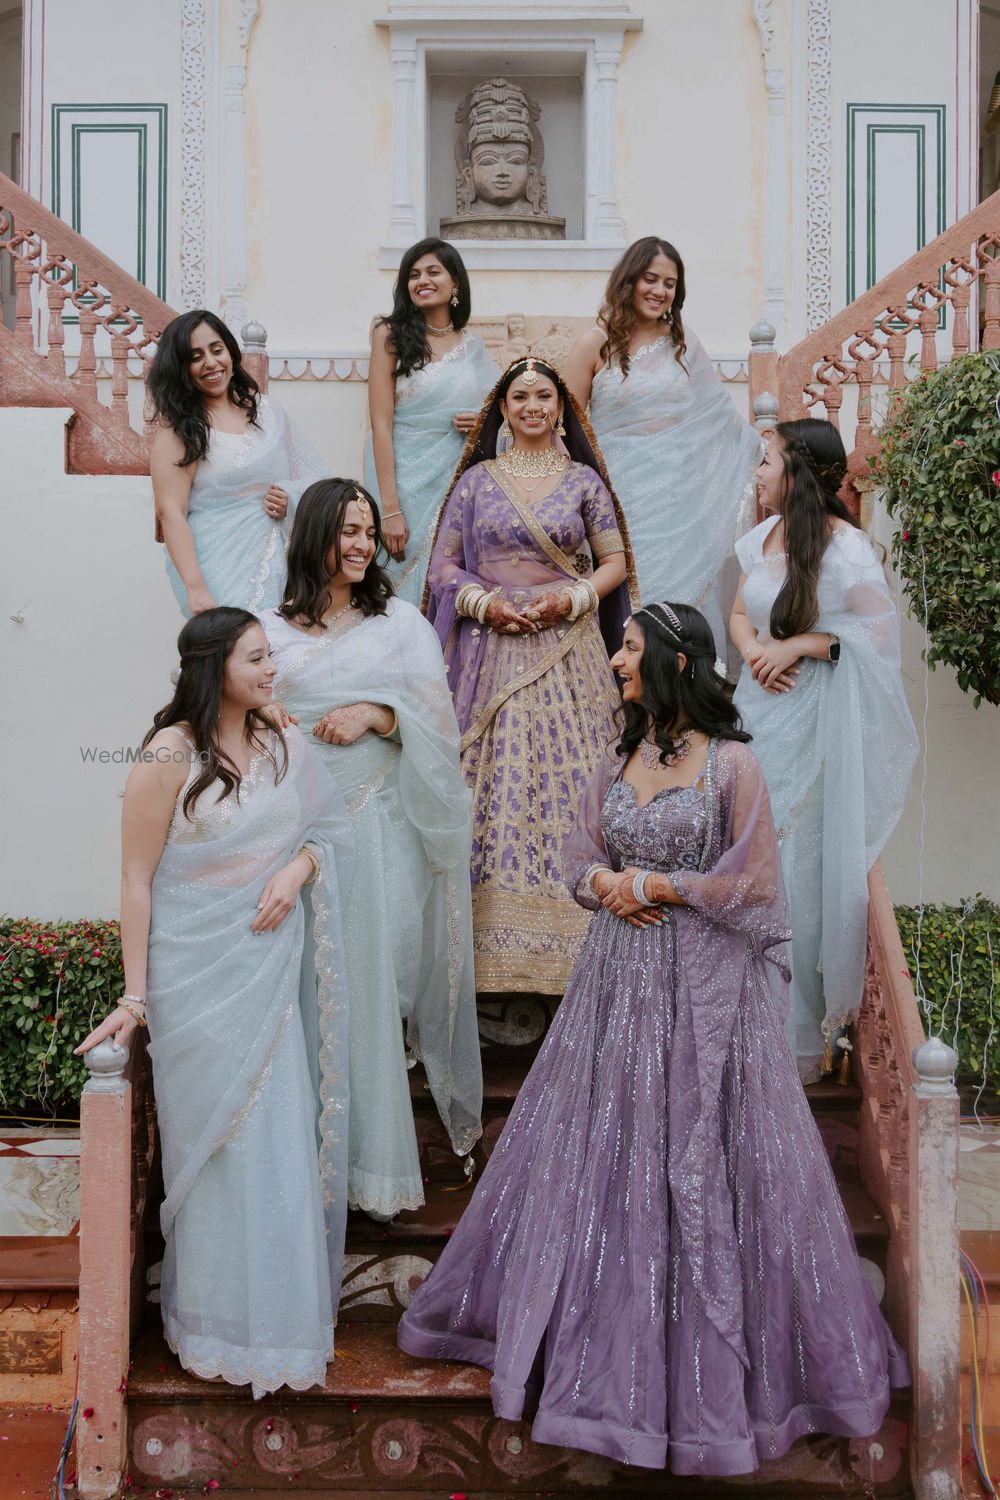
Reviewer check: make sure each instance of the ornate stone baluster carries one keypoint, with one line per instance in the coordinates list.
(988, 254)
(895, 325)
(928, 299)
(120, 346)
(960, 276)
(25, 267)
(830, 376)
(88, 302)
(865, 349)
(57, 276)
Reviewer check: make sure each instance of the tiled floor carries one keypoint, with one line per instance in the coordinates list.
(979, 1175)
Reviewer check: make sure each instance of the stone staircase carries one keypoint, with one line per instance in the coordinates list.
(387, 1421)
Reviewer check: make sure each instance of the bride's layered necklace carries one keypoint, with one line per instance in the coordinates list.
(539, 464)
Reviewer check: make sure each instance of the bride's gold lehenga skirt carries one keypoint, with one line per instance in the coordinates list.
(550, 716)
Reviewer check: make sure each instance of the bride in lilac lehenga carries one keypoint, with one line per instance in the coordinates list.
(656, 1263)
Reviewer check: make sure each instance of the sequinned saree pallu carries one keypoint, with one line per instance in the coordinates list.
(536, 711)
(408, 918)
(656, 1263)
(683, 461)
(426, 447)
(248, 1041)
(240, 548)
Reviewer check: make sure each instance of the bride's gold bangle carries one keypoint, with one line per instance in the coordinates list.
(311, 857)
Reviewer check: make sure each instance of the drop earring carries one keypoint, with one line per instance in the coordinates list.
(560, 427)
(505, 434)
(454, 299)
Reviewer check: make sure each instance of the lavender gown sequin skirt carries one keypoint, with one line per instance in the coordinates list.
(567, 1275)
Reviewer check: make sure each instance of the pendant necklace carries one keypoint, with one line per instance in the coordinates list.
(649, 751)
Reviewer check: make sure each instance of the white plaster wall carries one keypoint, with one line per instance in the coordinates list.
(10, 121)
(693, 112)
(88, 664)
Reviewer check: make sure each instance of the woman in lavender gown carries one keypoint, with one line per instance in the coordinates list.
(657, 1262)
(527, 592)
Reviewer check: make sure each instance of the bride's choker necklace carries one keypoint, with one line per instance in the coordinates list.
(536, 463)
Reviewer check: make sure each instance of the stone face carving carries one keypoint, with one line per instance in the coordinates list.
(499, 152)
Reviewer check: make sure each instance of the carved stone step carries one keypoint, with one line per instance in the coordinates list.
(384, 1421)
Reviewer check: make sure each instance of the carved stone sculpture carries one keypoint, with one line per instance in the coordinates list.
(499, 153)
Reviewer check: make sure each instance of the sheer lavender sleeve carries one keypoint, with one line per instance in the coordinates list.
(741, 887)
(585, 846)
(600, 521)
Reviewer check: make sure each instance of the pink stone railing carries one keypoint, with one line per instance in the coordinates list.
(937, 305)
(908, 1155)
(117, 1150)
(64, 284)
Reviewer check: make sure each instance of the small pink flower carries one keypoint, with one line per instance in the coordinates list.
(995, 477)
(906, 535)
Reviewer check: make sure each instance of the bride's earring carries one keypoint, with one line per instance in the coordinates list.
(560, 427)
(506, 434)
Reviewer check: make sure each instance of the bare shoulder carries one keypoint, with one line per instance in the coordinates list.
(166, 444)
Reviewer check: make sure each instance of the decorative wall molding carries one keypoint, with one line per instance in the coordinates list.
(194, 132)
(775, 259)
(819, 164)
(896, 171)
(32, 176)
(87, 157)
(592, 35)
(249, 11)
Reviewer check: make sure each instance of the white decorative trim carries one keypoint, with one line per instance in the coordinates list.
(819, 165)
(340, 367)
(194, 122)
(595, 33)
(775, 259)
(32, 99)
(249, 11)
(967, 106)
(761, 13)
(235, 253)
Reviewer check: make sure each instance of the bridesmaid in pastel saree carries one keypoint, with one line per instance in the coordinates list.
(675, 445)
(227, 468)
(362, 672)
(527, 591)
(426, 382)
(239, 972)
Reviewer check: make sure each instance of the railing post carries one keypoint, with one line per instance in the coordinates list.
(936, 1428)
(254, 336)
(105, 1272)
(762, 375)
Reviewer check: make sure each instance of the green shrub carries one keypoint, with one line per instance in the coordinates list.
(958, 973)
(57, 980)
(939, 469)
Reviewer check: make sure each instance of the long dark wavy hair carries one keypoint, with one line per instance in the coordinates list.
(674, 700)
(407, 326)
(177, 402)
(815, 466)
(205, 645)
(618, 315)
(319, 520)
